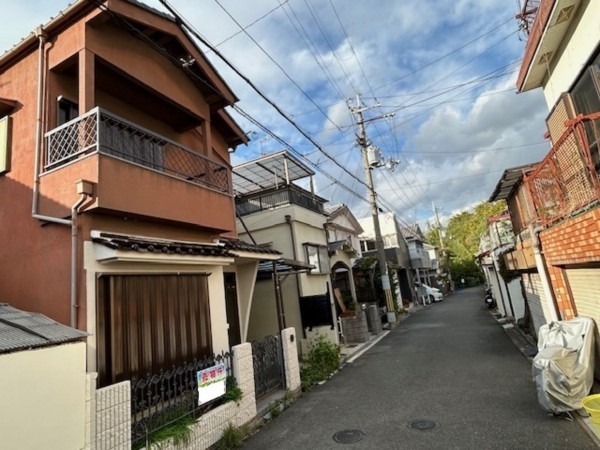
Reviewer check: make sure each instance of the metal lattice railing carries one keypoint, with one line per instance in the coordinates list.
(566, 181)
(106, 133)
(160, 399)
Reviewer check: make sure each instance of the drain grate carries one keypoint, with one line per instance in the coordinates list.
(422, 424)
(348, 436)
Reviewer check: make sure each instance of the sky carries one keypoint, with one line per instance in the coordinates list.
(435, 81)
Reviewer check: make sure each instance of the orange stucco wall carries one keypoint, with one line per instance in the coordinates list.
(35, 256)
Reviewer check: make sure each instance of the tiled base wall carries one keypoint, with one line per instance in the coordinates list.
(108, 414)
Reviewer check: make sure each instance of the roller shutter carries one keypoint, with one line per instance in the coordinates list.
(585, 286)
(536, 300)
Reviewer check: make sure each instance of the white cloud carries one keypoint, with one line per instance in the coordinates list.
(398, 44)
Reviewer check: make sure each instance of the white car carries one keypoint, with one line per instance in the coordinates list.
(433, 294)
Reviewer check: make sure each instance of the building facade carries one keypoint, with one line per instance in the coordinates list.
(115, 161)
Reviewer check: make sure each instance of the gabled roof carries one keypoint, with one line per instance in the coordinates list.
(334, 211)
(412, 231)
(508, 181)
(157, 25)
(20, 330)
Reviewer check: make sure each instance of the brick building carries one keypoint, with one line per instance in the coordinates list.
(562, 56)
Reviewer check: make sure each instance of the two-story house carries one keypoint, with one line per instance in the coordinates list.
(275, 212)
(344, 248)
(524, 255)
(562, 56)
(396, 253)
(116, 188)
(496, 241)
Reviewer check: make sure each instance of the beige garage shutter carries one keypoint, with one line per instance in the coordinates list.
(585, 287)
(536, 300)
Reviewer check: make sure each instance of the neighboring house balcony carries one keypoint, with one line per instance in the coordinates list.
(135, 171)
(420, 259)
(285, 195)
(566, 182)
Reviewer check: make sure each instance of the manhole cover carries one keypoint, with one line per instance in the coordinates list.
(422, 424)
(348, 436)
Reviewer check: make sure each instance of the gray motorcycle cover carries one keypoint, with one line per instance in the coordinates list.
(563, 369)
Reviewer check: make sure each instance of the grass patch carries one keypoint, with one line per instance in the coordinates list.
(232, 437)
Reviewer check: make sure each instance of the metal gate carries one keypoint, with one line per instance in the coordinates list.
(268, 367)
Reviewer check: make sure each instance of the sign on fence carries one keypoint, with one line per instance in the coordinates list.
(211, 383)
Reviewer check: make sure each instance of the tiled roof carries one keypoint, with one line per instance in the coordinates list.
(242, 246)
(139, 244)
(21, 330)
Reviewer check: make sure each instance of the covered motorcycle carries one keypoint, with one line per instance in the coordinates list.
(563, 369)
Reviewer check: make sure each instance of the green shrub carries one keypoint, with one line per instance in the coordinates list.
(323, 359)
(233, 393)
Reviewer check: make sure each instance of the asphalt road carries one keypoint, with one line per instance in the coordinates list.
(451, 364)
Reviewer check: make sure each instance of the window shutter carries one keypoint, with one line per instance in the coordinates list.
(5, 144)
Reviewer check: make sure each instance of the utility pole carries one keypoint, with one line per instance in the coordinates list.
(364, 145)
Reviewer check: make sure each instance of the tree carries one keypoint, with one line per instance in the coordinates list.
(461, 239)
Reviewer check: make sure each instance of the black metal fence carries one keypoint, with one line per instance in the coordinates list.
(283, 196)
(159, 400)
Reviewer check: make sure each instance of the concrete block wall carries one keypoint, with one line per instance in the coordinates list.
(574, 241)
(290, 359)
(112, 417)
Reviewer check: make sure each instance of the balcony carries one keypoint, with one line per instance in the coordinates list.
(566, 181)
(287, 195)
(136, 171)
(105, 133)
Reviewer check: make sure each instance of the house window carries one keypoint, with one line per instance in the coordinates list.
(148, 323)
(67, 110)
(367, 246)
(586, 98)
(5, 144)
(318, 256)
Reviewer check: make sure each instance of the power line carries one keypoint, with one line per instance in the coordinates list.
(192, 30)
(447, 54)
(288, 76)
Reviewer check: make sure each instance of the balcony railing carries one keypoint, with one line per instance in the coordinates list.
(105, 133)
(566, 181)
(289, 194)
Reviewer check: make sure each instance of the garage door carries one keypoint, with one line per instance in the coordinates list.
(585, 287)
(496, 289)
(536, 300)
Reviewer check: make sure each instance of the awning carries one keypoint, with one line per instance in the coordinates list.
(268, 172)
(284, 266)
(6, 106)
(510, 178)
